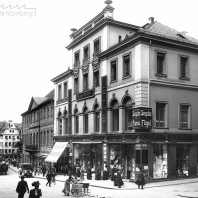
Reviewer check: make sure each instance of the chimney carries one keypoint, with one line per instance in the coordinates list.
(151, 20)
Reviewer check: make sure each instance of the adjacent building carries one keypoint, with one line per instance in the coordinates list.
(37, 129)
(10, 133)
(129, 100)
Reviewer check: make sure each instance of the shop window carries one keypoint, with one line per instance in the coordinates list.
(59, 92)
(96, 78)
(127, 103)
(113, 70)
(161, 115)
(97, 118)
(184, 116)
(65, 89)
(126, 65)
(115, 115)
(85, 82)
(160, 168)
(183, 160)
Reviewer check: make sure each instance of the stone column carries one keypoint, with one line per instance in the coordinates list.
(91, 122)
(109, 120)
(81, 124)
(121, 121)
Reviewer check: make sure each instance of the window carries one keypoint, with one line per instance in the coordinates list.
(77, 57)
(76, 121)
(184, 116)
(85, 81)
(113, 70)
(96, 118)
(183, 67)
(47, 112)
(115, 115)
(97, 46)
(59, 92)
(86, 52)
(65, 89)
(127, 103)
(96, 78)
(160, 63)
(160, 114)
(86, 122)
(76, 85)
(126, 65)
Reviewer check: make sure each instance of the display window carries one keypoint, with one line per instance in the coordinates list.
(160, 161)
(183, 160)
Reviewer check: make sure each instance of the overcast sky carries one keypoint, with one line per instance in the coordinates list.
(32, 48)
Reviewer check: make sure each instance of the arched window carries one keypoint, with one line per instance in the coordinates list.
(127, 103)
(96, 118)
(85, 120)
(115, 115)
(76, 121)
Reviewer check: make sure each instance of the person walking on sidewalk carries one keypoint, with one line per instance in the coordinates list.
(140, 181)
(22, 187)
(43, 169)
(49, 178)
(36, 192)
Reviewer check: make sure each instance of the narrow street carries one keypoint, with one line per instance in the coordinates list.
(9, 182)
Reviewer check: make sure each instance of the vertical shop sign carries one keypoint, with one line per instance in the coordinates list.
(70, 110)
(104, 104)
(142, 118)
(104, 152)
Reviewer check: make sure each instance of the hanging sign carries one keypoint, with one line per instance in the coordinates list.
(142, 118)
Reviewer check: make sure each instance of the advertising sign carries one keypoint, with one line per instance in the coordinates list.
(142, 118)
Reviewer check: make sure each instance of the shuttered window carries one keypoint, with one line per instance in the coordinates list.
(184, 116)
(183, 66)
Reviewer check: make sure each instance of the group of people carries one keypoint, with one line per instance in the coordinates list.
(22, 187)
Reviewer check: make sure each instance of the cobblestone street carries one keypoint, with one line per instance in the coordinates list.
(9, 182)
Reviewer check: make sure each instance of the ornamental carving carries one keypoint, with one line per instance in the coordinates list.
(85, 66)
(76, 69)
(95, 63)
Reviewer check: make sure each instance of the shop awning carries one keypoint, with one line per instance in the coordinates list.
(56, 152)
(87, 142)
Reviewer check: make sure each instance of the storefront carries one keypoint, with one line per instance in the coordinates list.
(86, 153)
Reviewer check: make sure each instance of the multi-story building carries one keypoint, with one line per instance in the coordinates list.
(130, 99)
(9, 136)
(37, 129)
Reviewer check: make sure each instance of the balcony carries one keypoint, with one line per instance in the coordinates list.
(31, 147)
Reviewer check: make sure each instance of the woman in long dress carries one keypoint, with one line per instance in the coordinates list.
(89, 175)
(66, 189)
(140, 181)
(105, 173)
(118, 179)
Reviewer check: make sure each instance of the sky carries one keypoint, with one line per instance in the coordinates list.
(32, 42)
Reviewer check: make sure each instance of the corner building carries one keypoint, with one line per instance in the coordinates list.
(130, 99)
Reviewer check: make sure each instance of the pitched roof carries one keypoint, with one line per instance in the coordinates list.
(163, 30)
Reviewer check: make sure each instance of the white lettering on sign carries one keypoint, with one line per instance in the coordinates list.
(146, 123)
(136, 123)
(145, 113)
(136, 114)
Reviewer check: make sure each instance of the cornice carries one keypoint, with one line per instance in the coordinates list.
(65, 74)
(173, 84)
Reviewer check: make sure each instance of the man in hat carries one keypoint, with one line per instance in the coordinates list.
(36, 192)
(22, 187)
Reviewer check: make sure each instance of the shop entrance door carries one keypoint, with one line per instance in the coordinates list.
(141, 160)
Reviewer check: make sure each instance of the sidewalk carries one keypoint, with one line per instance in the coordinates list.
(108, 184)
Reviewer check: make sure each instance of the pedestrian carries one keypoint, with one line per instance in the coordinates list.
(89, 174)
(36, 192)
(105, 173)
(77, 171)
(82, 170)
(66, 189)
(140, 181)
(20, 171)
(66, 170)
(43, 169)
(118, 179)
(53, 173)
(35, 170)
(49, 178)
(98, 172)
(22, 187)
(69, 170)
